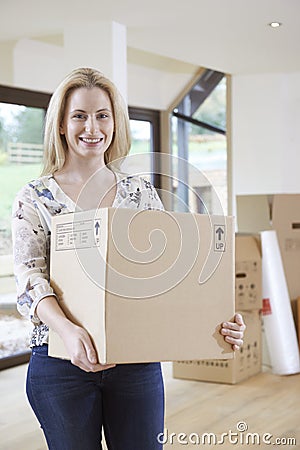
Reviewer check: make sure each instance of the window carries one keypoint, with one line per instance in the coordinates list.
(145, 133)
(21, 135)
(200, 148)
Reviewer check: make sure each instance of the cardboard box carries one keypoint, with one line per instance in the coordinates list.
(248, 272)
(246, 363)
(280, 212)
(131, 278)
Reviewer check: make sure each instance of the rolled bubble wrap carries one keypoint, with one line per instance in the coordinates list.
(280, 331)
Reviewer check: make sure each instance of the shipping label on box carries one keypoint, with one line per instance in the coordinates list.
(147, 285)
(248, 272)
(246, 363)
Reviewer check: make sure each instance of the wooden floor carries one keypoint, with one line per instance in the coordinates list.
(266, 403)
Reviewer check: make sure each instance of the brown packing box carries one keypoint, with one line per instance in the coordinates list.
(286, 222)
(248, 272)
(280, 212)
(132, 280)
(246, 363)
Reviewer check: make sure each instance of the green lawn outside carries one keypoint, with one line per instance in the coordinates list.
(12, 178)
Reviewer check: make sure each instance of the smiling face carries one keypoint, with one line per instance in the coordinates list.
(88, 124)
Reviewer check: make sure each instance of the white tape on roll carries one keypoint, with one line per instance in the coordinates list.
(278, 319)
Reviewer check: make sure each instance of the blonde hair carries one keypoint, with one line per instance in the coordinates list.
(55, 145)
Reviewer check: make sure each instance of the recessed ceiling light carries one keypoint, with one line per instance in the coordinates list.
(275, 24)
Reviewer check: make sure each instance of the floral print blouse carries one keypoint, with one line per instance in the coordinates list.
(33, 208)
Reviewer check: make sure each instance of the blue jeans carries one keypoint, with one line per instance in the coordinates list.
(72, 406)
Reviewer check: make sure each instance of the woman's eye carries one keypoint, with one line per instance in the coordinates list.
(102, 116)
(79, 116)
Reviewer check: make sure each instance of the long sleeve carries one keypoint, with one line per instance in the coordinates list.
(31, 257)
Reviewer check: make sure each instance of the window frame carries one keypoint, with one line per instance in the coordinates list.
(26, 97)
(152, 116)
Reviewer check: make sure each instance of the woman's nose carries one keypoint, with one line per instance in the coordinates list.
(91, 125)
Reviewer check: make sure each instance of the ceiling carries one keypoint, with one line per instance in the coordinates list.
(227, 35)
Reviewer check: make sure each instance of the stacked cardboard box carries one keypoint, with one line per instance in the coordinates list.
(248, 301)
(248, 273)
(279, 212)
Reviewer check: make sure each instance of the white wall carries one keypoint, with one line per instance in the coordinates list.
(153, 81)
(37, 65)
(153, 88)
(265, 133)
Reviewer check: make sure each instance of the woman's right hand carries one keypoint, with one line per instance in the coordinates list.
(81, 349)
(76, 339)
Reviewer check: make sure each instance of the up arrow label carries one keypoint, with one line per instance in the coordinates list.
(97, 231)
(219, 238)
(97, 226)
(219, 232)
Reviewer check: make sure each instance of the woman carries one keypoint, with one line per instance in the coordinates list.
(87, 128)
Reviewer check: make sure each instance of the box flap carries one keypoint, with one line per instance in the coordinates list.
(254, 213)
(286, 213)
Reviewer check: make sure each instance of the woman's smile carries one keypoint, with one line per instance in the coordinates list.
(91, 141)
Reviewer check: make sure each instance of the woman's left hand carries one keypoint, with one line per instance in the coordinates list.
(233, 332)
